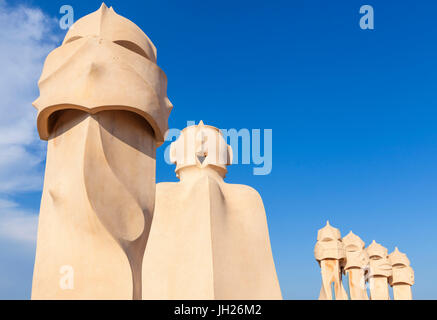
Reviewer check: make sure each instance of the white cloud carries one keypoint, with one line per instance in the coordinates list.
(17, 224)
(27, 35)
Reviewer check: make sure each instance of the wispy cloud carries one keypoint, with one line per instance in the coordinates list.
(26, 36)
(17, 224)
(18, 230)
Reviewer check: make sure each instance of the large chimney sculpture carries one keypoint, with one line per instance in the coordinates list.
(209, 239)
(103, 108)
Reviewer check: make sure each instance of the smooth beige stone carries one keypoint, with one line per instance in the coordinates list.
(378, 288)
(402, 291)
(201, 146)
(331, 276)
(403, 275)
(379, 271)
(209, 239)
(372, 265)
(105, 63)
(105, 23)
(355, 266)
(330, 254)
(357, 284)
(96, 207)
(103, 108)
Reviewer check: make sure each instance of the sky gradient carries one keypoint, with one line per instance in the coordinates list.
(353, 114)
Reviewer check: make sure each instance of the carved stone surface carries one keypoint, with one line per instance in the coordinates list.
(403, 275)
(209, 239)
(379, 271)
(355, 266)
(103, 109)
(104, 63)
(366, 268)
(329, 252)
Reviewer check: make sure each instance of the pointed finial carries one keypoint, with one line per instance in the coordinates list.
(329, 244)
(397, 257)
(200, 123)
(402, 271)
(376, 249)
(328, 231)
(353, 242)
(103, 6)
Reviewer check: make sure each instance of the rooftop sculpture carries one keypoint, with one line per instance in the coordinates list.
(103, 109)
(379, 271)
(330, 254)
(209, 239)
(402, 277)
(102, 105)
(355, 266)
(365, 268)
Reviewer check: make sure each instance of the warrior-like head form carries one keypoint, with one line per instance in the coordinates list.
(329, 244)
(103, 108)
(356, 266)
(330, 254)
(379, 271)
(402, 275)
(105, 62)
(201, 146)
(379, 263)
(209, 238)
(356, 256)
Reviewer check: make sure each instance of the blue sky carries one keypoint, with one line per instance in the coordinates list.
(353, 115)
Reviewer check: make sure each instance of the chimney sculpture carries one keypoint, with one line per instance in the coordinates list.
(356, 266)
(403, 276)
(103, 108)
(209, 239)
(365, 267)
(330, 254)
(379, 271)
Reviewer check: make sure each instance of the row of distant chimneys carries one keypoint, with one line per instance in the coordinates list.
(370, 267)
